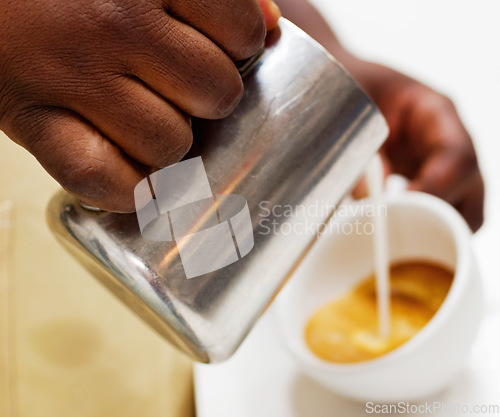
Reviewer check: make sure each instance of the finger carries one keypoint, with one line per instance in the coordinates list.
(455, 178)
(186, 68)
(237, 26)
(84, 162)
(271, 12)
(472, 207)
(146, 127)
(447, 174)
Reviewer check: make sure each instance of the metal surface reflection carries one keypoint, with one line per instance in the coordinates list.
(302, 133)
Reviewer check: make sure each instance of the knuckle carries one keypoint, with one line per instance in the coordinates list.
(85, 176)
(89, 177)
(215, 86)
(108, 15)
(249, 36)
(446, 102)
(167, 149)
(122, 18)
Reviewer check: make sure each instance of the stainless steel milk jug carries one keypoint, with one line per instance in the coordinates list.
(300, 137)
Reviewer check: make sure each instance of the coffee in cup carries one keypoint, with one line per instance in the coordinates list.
(347, 329)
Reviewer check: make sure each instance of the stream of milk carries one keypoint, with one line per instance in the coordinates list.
(375, 182)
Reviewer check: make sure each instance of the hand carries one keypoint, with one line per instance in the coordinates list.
(101, 91)
(428, 143)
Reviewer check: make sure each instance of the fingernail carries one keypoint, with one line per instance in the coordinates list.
(229, 102)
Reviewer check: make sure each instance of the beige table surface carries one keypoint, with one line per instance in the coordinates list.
(75, 351)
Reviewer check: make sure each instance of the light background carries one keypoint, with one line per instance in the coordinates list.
(453, 46)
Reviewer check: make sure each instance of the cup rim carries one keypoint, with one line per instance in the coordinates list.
(461, 235)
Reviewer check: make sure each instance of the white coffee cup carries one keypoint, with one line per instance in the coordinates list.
(421, 227)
